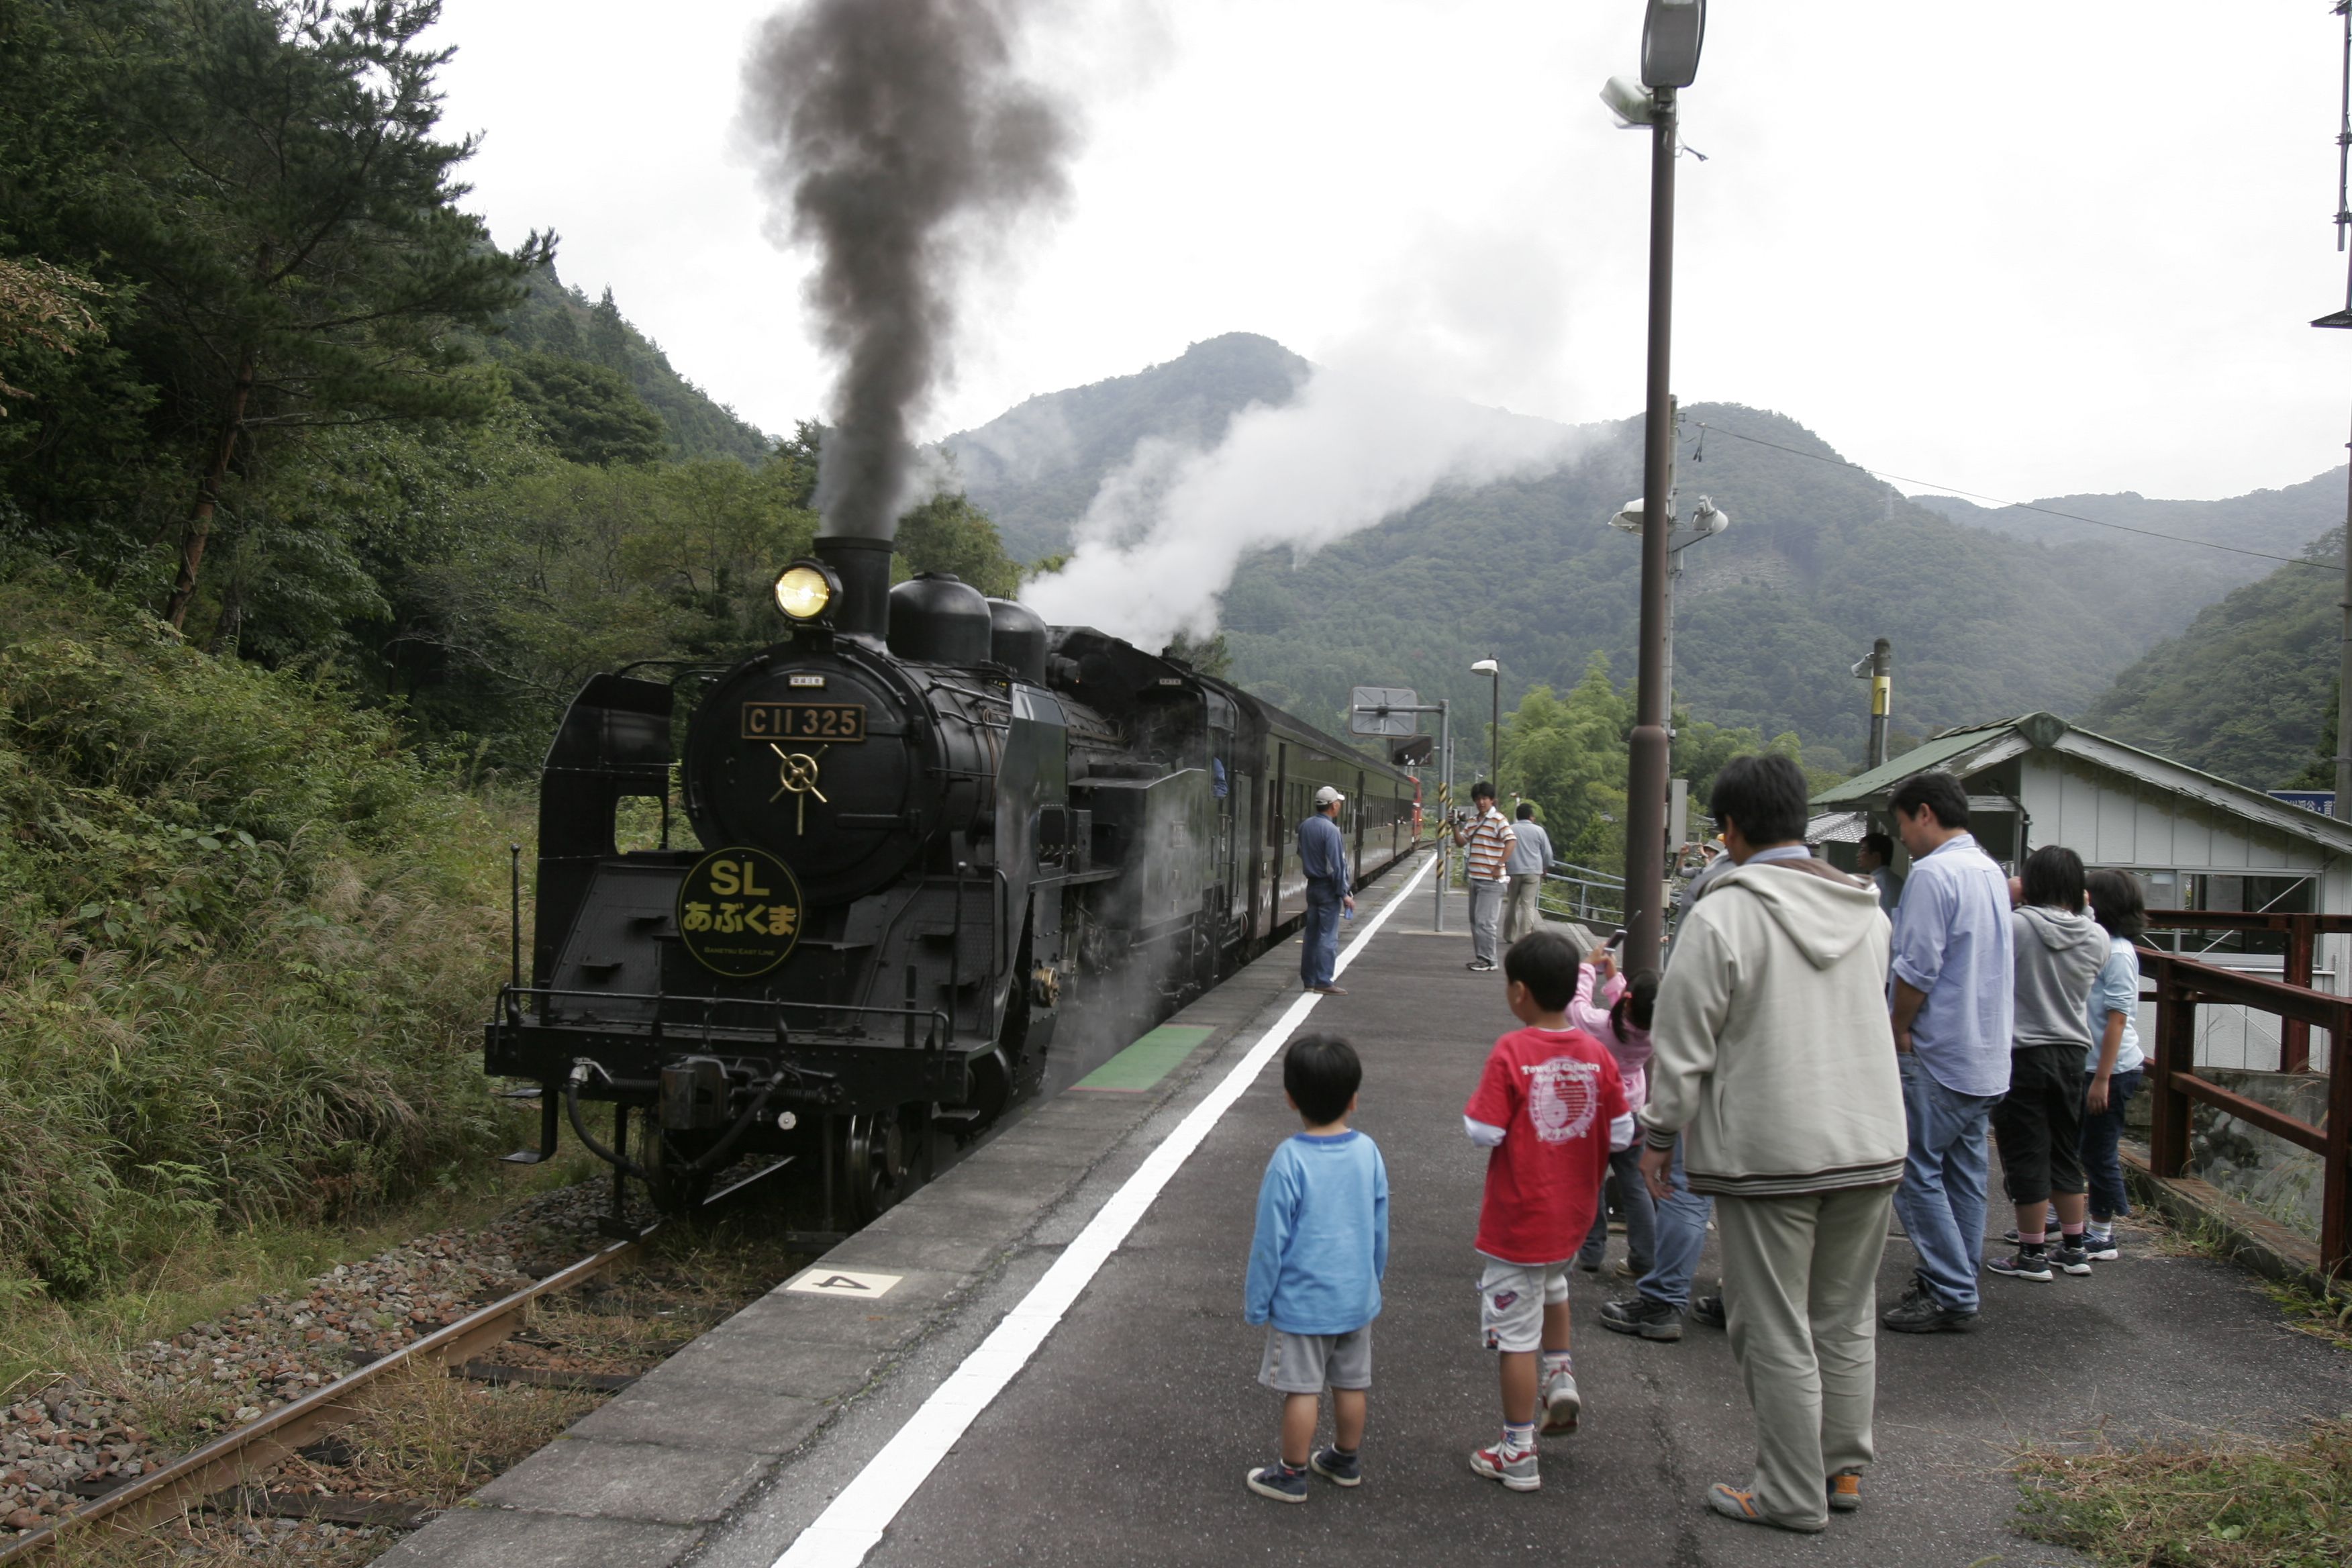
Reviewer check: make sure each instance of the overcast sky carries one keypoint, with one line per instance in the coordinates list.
(2017, 248)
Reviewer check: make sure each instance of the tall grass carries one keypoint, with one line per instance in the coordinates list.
(249, 937)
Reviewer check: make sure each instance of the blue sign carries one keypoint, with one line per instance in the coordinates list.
(2321, 801)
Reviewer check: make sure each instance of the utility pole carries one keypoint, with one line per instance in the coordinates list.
(2343, 318)
(1882, 697)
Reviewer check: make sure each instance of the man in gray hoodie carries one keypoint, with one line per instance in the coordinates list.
(2038, 1125)
(1772, 1058)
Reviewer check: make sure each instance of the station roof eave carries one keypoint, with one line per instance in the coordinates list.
(1971, 749)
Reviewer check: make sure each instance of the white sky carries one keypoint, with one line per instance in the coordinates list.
(2018, 247)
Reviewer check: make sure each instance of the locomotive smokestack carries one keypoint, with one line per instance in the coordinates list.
(894, 133)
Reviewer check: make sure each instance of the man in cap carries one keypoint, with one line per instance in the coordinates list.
(1323, 856)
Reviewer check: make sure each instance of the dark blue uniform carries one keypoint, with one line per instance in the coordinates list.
(1323, 856)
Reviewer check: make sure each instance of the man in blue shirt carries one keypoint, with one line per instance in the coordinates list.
(1323, 856)
(1952, 995)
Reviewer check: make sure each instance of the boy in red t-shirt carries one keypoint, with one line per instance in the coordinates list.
(1545, 1106)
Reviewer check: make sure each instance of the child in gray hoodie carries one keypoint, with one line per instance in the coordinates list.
(2038, 1125)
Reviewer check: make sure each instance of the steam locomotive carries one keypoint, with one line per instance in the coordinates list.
(931, 826)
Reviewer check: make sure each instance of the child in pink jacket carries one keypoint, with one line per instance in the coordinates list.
(1617, 1014)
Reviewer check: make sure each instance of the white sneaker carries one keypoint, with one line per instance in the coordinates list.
(1562, 1405)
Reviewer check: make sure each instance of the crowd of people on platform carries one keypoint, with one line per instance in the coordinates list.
(1818, 1050)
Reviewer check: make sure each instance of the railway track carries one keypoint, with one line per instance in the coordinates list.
(224, 1466)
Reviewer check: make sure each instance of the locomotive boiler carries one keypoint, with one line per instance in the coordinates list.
(926, 828)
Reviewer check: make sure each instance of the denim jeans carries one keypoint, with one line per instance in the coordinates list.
(1678, 1234)
(1634, 1197)
(1318, 948)
(1942, 1198)
(2103, 1167)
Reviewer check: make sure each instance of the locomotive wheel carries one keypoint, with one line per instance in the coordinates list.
(885, 1158)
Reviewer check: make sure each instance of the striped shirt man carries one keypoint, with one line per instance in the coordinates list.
(1489, 841)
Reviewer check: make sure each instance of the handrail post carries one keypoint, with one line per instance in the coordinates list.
(2294, 1034)
(2335, 1166)
(2175, 1051)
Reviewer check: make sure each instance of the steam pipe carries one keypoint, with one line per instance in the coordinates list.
(863, 567)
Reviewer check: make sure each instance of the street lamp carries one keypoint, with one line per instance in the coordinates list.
(1494, 672)
(1706, 521)
(1672, 33)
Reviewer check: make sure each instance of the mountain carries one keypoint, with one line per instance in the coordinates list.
(1034, 469)
(560, 322)
(1991, 613)
(2247, 689)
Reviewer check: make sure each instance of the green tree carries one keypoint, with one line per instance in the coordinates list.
(1569, 755)
(304, 260)
(588, 412)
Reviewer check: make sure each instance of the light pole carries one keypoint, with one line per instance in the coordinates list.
(1672, 33)
(1493, 671)
(1707, 520)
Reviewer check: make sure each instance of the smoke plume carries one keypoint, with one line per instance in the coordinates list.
(895, 133)
(1161, 539)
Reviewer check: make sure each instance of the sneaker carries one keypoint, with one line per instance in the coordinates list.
(1480, 966)
(1592, 1266)
(2100, 1248)
(1279, 1481)
(1517, 1471)
(1339, 1468)
(1742, 1503)
(1562, 1404)
(1708, 1310)
(2024, 1264)
(1640, 1315)
(2072, 1259)
(1920, 1313)
(1845, 1491)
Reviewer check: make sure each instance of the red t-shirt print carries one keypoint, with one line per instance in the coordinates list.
(1554, 1093)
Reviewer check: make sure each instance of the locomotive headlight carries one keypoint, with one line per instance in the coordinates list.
(806, 590)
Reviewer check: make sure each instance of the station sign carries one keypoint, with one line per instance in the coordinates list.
(1365, 716)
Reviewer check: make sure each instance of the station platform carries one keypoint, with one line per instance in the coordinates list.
(1040, 1358)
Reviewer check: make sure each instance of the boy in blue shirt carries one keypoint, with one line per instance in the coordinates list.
(1316, 1262)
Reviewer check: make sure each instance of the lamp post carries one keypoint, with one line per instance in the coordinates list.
(1493, 671)
(1672, 33)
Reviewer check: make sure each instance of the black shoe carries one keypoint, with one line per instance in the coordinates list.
(1708, 1310)
(1340, 1470)
(1479, 966)
(1920, 1313)
(2025, 1263)
(2074, 1260)
(1640, 1315)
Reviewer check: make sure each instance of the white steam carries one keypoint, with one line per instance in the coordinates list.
(1358, 444)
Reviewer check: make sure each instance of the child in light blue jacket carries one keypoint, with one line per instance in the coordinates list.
(2114, 1063)
(1315, 1269)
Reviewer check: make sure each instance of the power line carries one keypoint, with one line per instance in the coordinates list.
(2024, 506)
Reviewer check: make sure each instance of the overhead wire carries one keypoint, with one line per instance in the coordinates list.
(2019, 505)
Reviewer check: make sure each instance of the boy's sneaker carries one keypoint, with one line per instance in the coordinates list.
(2097, 1249)
(2072, 1259)
(2026, 1263)
(1709, 1309)
(1640, 1315)
(1339, 1468)
(1845, 1491)
(1920, 1313)
(1480, 966)
(1515, 1470)
(1562, 1405)
(1279, 1481)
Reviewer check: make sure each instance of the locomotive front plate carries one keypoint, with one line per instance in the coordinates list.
(738, 911)
(842, 722)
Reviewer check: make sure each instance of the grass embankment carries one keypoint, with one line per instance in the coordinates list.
(250, 938)
(2224, 1504)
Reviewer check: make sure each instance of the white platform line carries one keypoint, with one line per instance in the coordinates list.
(852, 1524)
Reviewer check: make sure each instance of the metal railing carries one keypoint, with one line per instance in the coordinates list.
(2182, 985)
(1568, 891)
(2300, 934)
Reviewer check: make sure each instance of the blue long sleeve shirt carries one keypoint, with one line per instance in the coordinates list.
(1323, 856)
(1953, 944)
(1322, 1242)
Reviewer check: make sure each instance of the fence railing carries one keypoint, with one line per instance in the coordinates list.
(2182, 984)
(1583, 894)
(2301, 934)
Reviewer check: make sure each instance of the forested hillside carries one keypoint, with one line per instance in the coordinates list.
(2249, 689)
(1819, 558)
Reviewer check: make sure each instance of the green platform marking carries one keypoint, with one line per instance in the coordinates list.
(1147, 1061)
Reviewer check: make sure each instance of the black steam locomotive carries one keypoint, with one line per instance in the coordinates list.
(931, 828)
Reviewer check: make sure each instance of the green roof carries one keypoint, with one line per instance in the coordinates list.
(1932, 752)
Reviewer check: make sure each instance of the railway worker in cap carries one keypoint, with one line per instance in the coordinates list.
(1323, 856)
(1489, 837)
(1530, 858)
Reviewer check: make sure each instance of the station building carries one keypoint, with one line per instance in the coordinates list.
(2195, 841)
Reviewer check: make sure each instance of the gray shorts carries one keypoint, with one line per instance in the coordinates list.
(1309, 1364)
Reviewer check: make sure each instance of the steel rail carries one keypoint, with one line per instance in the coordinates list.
(161, 1493)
